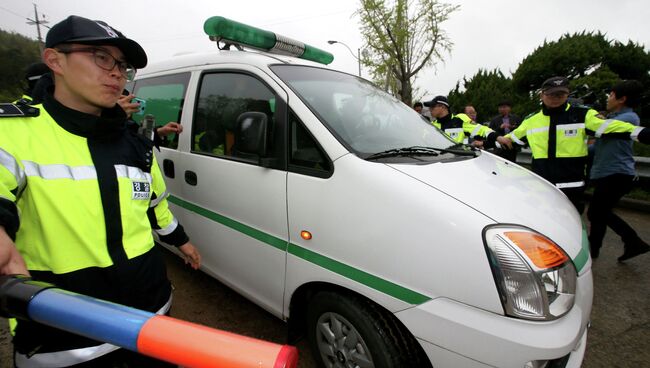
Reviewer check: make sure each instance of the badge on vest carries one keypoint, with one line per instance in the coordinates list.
(141, 190)
(571, 132)
(8, 110)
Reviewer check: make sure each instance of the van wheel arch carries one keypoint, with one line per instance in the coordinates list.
(305, 294)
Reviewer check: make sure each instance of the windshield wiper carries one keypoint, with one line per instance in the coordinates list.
(458, 149)
(406, 151)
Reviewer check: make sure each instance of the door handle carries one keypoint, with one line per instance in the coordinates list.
(190, 177)
(168, 168)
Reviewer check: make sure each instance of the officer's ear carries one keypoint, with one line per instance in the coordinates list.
(52, 59)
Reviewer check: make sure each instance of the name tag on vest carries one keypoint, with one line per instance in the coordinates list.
(571, 132)
(141, 190)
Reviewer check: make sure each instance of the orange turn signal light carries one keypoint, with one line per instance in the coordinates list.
(305, 235)
(541, 251)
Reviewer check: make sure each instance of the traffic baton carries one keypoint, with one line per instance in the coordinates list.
(161, 337)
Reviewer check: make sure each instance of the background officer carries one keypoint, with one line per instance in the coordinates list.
(460, 128)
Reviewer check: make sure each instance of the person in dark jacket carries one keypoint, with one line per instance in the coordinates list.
(612, 175)
(503, 124)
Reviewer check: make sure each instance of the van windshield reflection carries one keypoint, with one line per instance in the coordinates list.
(365, 119)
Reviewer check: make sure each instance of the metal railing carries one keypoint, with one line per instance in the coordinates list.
(642, 163)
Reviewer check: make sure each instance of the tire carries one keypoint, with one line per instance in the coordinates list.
(348, 331)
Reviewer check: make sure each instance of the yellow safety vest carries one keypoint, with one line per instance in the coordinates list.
(460, 128)
(50, 175)
(570, 134)
(558, 142)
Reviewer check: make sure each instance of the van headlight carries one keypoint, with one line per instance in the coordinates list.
(536, 279)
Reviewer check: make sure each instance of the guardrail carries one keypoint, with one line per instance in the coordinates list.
(642, 163)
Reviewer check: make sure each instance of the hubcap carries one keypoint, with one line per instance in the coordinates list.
(340, 344)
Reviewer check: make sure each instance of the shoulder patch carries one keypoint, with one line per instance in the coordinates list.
(9, 110)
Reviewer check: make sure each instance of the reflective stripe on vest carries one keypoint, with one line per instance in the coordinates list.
(537, 130)
(154, 202)
(67, 358)
(169, 228)
(574, 184)
(9, 162)
(635, 134)
(602, 128)
(133, 173)
(60, 171)
(516, 140)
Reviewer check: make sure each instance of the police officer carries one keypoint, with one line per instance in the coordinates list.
(89, 192)
(557, 135)
(460, 127)
(35, 88)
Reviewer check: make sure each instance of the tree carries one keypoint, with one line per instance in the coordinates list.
(16, 53)
(403, 37)
(572, 56)
(590, 61)
(484, 91)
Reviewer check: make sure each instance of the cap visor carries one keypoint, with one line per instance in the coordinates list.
(556, 89)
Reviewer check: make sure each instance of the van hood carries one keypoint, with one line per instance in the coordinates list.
(506, 193)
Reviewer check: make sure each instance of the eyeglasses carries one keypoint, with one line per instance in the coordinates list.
(106, 61)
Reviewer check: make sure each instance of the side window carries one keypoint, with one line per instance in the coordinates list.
(223, 97)
(163, 103)
(305, 155)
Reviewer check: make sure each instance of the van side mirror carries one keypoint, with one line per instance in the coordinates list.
(251, 135)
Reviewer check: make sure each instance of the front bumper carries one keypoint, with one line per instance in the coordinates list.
(457, 335)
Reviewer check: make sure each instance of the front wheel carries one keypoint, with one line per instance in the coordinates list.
(347, 331)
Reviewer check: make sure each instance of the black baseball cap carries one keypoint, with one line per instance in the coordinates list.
(556, 84)
(442, 100)
(75, 29)
(35, 71)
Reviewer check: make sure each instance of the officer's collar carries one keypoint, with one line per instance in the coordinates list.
(109, 125)
(445, 118)
(555, 110)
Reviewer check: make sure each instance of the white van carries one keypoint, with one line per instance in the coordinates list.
(335, 207)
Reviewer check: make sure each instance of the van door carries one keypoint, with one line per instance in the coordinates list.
(234, 209)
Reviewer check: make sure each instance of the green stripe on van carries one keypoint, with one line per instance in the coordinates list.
(372, 281)
(581, 259)
(252, 232)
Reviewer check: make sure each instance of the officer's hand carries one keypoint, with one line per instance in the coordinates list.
(11, 262)
(191, 255)
(169, 128)
(477, 144)
(128, 106)
(504, 142)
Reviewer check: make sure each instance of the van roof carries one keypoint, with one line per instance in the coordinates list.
(255, 58)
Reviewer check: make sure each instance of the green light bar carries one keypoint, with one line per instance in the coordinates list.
(221, 28)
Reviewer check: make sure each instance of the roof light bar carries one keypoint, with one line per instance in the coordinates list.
(220, 28)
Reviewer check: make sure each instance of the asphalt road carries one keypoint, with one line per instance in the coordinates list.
(619, 335)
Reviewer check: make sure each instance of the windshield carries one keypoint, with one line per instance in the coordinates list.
(364, 118)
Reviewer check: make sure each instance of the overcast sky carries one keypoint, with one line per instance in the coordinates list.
(486, 34)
